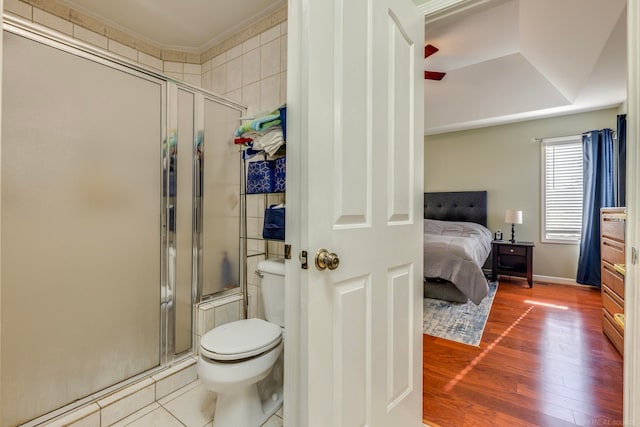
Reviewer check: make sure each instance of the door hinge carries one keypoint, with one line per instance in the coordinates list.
(303, 260)
(634, 255)
(287, 251)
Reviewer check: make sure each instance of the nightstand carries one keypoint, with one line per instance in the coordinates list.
(512, 259)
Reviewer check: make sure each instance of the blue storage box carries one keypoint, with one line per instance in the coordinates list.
(259, 177)
(273, 223)
(279, 174)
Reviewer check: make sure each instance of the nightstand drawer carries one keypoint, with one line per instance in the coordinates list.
(512, 250)
(512, 260)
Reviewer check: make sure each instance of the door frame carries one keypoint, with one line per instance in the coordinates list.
(631, 382)
(295, 365)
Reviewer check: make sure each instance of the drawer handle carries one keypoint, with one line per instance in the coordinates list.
(511, 250)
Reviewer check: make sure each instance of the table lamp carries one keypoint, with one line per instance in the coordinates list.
(513, 218)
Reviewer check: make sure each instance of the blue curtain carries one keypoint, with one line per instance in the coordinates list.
(622, 160)
(598, 192)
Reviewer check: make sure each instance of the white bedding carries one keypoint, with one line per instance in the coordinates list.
(456, 251)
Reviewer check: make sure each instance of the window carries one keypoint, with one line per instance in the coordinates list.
(562, 190)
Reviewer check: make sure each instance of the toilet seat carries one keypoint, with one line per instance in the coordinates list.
(240, 339)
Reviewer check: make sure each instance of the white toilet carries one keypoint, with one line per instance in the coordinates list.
(235, 356)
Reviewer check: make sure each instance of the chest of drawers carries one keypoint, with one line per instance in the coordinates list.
(612, 250)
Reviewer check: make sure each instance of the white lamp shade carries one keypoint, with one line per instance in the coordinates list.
(513, 217)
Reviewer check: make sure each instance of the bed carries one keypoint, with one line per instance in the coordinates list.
(456, 245)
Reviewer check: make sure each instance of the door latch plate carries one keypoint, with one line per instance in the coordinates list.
(303, 260)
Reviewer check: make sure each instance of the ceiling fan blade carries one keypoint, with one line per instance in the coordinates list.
(433, 75)
(430, 50)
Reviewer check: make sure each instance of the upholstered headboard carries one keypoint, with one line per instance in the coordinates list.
(468, 206)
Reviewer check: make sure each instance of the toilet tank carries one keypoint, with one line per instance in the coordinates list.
(272, 289)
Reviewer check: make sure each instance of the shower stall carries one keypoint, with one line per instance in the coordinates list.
(120, 211)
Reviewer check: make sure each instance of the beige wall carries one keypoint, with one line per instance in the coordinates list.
(506, 162)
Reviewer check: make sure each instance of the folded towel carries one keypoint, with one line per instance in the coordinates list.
(271, 141)
(245, 127)
(266, 122)
(259, 124)
(252, 135)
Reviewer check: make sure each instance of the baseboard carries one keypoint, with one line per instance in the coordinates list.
(552, 280)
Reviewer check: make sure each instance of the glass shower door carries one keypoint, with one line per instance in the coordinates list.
(219, 201)
(81, 225)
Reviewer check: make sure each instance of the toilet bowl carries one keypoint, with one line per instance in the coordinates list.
(235, 356)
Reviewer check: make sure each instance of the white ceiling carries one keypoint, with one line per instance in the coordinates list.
(523, 59)
(506, 60)
(186, 25)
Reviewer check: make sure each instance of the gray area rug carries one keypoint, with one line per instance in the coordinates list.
(454, 321)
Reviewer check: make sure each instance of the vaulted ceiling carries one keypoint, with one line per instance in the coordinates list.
(506, 60)
(524, 59)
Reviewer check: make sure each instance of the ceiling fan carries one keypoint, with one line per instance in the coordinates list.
(432, 75)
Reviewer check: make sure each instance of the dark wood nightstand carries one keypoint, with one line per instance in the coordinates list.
(512, 259)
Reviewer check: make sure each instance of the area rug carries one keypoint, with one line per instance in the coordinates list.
(453, 321)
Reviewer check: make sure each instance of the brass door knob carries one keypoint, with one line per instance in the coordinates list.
(325, 260)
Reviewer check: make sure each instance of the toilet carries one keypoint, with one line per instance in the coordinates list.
(235, 356)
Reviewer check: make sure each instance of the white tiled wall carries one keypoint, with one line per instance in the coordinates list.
(252, 73)
(189, 73)
(256, 248)
(217, 312)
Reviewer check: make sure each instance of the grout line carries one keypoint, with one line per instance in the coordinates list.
(137, 415)
(179, 392)
(174, 416)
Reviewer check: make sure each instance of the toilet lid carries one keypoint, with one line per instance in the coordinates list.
(240, 339)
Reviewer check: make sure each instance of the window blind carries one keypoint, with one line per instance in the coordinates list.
(563, 190)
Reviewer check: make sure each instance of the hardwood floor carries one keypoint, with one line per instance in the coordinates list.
(537, 365)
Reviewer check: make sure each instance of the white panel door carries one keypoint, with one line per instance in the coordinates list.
(355, 119)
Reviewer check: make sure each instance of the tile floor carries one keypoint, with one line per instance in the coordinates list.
(190, 406)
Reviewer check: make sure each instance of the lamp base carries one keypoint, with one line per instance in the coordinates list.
(513, 233)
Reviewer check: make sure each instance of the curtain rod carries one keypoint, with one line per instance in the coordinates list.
(556, 138)
(564, 138)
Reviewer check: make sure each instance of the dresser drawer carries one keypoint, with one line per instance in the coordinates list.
(612, 251)
(512, 250)
(611, 330)
(611, 302)
(612, 227)
(612, 279)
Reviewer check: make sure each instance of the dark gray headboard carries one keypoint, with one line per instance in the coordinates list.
(468, 206)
